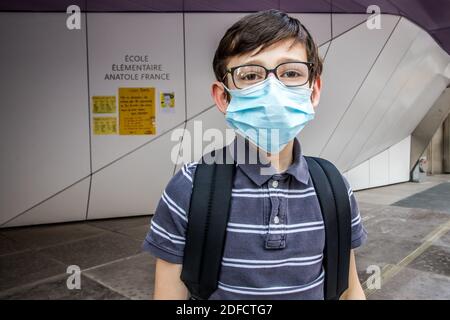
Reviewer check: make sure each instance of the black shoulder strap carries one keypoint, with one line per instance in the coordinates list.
(206, 229)
(335, 206)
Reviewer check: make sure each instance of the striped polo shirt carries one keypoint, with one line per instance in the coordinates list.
(275, 234)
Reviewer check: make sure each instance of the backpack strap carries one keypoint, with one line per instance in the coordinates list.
(335, 205)
(206, 228)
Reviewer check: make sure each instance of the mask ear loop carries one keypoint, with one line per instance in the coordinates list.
(227, 92)
(225, 87)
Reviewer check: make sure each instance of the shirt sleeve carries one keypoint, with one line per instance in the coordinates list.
(166, 237)
(359, 233)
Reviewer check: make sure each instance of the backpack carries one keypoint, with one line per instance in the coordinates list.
(208, 218)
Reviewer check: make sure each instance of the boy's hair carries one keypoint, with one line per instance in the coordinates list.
(263, 29)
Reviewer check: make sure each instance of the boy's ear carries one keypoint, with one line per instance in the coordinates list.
(219, 96)
(317, 87)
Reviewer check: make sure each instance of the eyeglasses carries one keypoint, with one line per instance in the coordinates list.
(292, 74)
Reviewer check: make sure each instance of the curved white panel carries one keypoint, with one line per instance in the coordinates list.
(44, 123)
(319, 25)
(354, 124)
(133, 184)
(343, 22)
(323, 50)
(414, 94)
(111, 36)
(348, 61)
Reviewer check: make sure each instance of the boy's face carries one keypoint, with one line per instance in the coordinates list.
(270, 57)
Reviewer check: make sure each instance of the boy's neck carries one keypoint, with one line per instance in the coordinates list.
(282, 160)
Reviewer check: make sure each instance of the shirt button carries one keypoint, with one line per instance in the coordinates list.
(276, 220)
(275, 183)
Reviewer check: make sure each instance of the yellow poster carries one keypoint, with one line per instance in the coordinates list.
(136, 111)
(105, 125)
(104, 104)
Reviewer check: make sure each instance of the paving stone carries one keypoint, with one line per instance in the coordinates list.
(26, 267)
(137, 233)
(435, 259)
(8, 246)
(436, 198)
(94, 251)
(411, 284)
(57, 290)
(133, 277)
(43, 236)
(121, 223)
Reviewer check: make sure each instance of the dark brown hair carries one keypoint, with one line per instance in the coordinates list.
(262, 29)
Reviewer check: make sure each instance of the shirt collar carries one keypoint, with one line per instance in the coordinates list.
(260, 172)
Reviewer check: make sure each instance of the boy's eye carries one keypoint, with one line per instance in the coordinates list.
(251, 76)
(291, 74)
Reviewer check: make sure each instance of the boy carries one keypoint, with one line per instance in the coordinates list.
(268, 78)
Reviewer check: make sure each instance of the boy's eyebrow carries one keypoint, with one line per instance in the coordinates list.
(282, 60)
(254, 61)
(279, 61)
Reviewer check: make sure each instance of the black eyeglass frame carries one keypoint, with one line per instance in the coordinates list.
(269, 71)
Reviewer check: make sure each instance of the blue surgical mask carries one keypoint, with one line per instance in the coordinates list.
(269, 113)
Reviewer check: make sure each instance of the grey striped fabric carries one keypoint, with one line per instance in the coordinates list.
(275, 235)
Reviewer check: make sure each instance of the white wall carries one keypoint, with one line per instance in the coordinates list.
(44, 119)
(388, 167)
(377, 85)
